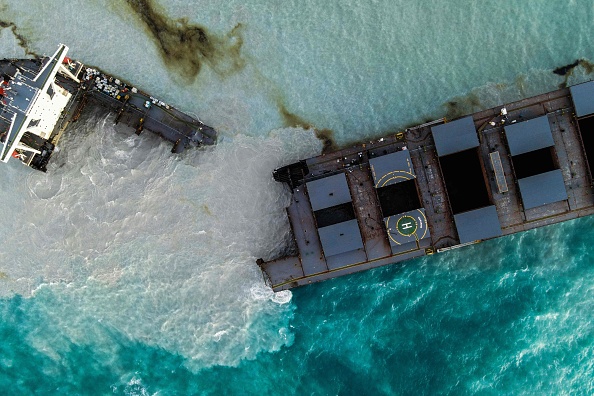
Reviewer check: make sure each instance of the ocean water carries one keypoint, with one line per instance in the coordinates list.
(126, 270)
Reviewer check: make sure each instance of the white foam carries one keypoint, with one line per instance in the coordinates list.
(282, 297)
(159, 248)
(135, 387)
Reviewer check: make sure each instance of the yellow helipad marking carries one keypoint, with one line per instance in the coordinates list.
(418, 223)
(397, 174)
(425, 220)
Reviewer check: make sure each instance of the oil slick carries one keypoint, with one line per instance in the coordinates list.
(564, 70)
(462, 105)
(567, 70)
(293, 120)
(186, 47)
(21, 40)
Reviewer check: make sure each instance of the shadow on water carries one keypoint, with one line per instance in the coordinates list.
(185, 47)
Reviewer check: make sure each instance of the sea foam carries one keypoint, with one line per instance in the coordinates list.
(156, 247)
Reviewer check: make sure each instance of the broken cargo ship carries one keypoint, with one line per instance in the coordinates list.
(439, 186)
(40, 97)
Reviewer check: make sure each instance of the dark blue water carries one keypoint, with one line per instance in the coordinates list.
(511, 316)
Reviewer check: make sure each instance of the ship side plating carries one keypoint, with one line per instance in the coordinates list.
(439, 186)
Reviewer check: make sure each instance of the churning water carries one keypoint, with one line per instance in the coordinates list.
(127, 270)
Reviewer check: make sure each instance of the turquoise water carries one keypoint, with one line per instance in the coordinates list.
(129, 271)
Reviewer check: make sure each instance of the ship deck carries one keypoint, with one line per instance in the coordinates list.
(497, 169)
(132, 107)
(141, 111)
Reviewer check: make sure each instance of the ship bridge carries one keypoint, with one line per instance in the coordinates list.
(32, 104)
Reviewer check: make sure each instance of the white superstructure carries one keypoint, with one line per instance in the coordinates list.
(32, 106)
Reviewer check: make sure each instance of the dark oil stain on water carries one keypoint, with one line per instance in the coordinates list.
(567, 70)
(462, 105)
(22, 40)
(293, 120)
(564, 70)
(470, 103)
(186, 47)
